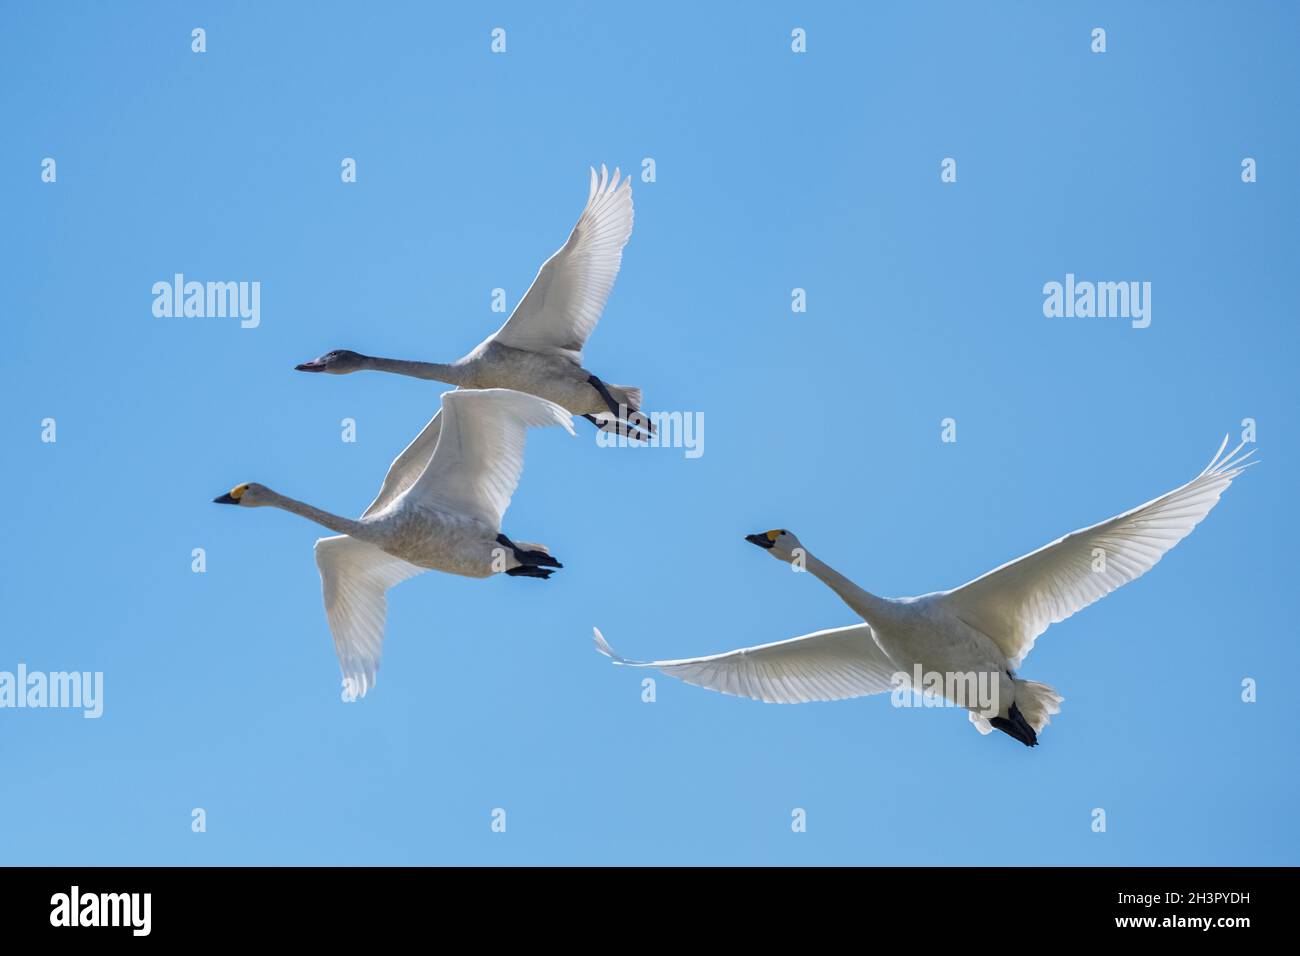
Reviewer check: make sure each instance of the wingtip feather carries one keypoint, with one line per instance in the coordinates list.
(1215, 460)
(603, 647)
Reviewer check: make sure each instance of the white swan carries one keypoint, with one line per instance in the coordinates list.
(986, 627)
(446, 516)
(539, 349)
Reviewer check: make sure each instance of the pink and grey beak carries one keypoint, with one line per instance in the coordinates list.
(315, 365)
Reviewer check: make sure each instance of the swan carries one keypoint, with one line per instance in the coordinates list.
(985, 627)
(539, 349)
(441, 513)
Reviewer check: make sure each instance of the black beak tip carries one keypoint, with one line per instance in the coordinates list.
(304, 367)
(759, 539)
(225, 499)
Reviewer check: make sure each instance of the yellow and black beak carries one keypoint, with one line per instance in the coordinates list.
(764, 540)
(232, 496)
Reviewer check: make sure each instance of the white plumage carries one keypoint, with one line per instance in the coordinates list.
(539, 348)
(987, 626)
(441, 509)
(1017, 602)
(564, 303)
(834, 664)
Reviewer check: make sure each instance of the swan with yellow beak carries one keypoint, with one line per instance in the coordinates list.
(985, 628)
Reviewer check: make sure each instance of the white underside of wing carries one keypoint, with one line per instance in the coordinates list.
(354, 577)
(1015, 603)
(408, 466)
(566, 299)
(833, 664)
(475, 468)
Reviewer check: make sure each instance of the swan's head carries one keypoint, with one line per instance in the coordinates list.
(250, 495)
(338, 362)
(780, 544)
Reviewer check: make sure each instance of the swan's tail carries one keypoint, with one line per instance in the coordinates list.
(628, 395)
(1037, 703)
(1029, 713)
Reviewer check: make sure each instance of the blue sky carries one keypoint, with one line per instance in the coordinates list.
(774, 171)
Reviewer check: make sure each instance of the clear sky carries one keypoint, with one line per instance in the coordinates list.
(774, 171)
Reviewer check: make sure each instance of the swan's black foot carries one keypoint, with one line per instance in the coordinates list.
(530, 571)
(616, 427)
(607, 398)
(619, 411)
(1015, 725)
(639, 419)
(535, 558)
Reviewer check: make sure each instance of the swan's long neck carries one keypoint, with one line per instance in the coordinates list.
(331, 521)
(865, 604)
(435, 371)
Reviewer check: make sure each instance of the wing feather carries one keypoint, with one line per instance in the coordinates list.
(407, 466)
(833, 664)
(1018, 601)
(566, 299)
(355, 577)
(475, 467)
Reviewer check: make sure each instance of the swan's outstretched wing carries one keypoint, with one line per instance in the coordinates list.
(834, 664)
(407, 466)
(354, 576)
(1018, 601)
(476, 464)
(565, 301)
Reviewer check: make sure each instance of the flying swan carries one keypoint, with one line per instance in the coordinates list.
(985, 627)
(539, 349)
(442, 513)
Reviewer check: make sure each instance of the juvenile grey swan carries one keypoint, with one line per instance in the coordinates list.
(443, 513)
(972, 637)
(539, 349)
